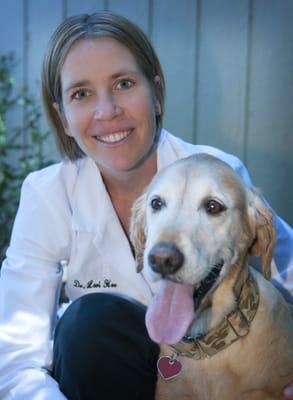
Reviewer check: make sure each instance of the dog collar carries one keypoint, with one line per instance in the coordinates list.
(234, 326)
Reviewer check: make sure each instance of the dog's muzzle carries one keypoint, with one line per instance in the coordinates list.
(165, 258)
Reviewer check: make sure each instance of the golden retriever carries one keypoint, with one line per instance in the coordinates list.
(225, 331)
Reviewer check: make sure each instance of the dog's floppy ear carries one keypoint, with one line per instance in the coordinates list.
(138, 229)
(263, 230)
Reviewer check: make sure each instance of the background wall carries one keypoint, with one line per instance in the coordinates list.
(228, 67)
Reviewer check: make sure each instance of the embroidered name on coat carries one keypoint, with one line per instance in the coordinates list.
(104, 284)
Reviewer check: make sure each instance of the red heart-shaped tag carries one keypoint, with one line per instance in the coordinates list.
(169, 367)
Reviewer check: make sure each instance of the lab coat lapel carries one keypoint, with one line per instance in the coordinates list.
(98, 234)
(167, 153)
(91, 206)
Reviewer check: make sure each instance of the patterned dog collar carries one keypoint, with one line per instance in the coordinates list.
(234, 326)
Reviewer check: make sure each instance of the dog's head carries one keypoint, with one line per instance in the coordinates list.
(196, 220)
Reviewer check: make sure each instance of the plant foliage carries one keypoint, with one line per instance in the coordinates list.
(21, 144)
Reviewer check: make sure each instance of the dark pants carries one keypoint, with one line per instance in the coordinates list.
(102, 350)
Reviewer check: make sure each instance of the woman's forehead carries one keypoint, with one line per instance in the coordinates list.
(99, 55)
(101, 48)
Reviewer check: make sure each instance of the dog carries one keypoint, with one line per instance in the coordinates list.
(225, 332)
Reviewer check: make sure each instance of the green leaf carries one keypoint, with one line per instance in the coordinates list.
(2, 125)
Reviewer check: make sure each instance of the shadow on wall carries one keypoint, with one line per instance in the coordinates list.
(223, 121)
(273, 175)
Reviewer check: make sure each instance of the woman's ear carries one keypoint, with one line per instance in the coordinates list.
(62, 117)
(262, 227)
(158, 107)
(138, 230)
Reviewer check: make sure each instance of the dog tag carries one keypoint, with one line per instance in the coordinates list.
(169, 367)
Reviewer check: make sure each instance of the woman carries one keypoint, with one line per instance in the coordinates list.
(103, 91)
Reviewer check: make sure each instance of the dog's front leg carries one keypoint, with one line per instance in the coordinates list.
(257, 395)
(164, 392)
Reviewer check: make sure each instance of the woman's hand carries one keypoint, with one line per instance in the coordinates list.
(288, 392)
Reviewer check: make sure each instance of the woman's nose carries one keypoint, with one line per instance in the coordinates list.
(106, 108)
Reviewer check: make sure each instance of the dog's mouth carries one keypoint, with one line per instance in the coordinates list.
(173, 307)
(204, 286)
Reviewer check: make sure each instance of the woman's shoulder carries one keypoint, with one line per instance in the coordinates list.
(53, 174)
(183, 148)
(45, 206)
(59, 179)
(52, 186)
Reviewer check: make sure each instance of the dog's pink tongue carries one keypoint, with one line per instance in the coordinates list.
(170, 312)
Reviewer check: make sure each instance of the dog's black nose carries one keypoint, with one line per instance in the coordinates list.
(165, 258)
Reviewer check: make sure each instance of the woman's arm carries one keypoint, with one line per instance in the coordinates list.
(29, 288)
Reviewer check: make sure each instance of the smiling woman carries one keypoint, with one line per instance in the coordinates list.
(103, 92)
(112, 113)
(144, 65)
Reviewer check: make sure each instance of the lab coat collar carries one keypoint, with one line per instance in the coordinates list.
(91, 205)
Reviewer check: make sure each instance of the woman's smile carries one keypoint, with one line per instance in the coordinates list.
(114, 137)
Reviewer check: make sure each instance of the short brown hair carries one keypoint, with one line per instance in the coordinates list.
(101, 24)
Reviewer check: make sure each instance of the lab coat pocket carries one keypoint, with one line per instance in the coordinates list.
(87, 269)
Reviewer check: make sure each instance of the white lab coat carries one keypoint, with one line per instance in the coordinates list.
(65, 214)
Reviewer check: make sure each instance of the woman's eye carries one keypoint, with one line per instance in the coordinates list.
(214, 207)
(80, 94)
(157, 203)
(124, 84)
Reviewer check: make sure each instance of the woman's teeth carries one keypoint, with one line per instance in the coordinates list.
(114, 137)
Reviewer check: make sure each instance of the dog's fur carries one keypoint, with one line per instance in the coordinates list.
(260, 364)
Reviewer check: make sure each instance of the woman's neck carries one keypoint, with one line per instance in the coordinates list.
(125, 187)
(130, 184)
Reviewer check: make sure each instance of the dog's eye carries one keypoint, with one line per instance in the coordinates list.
(157, 203)
(213, 207)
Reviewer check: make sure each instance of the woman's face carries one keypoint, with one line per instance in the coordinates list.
(108, 104)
